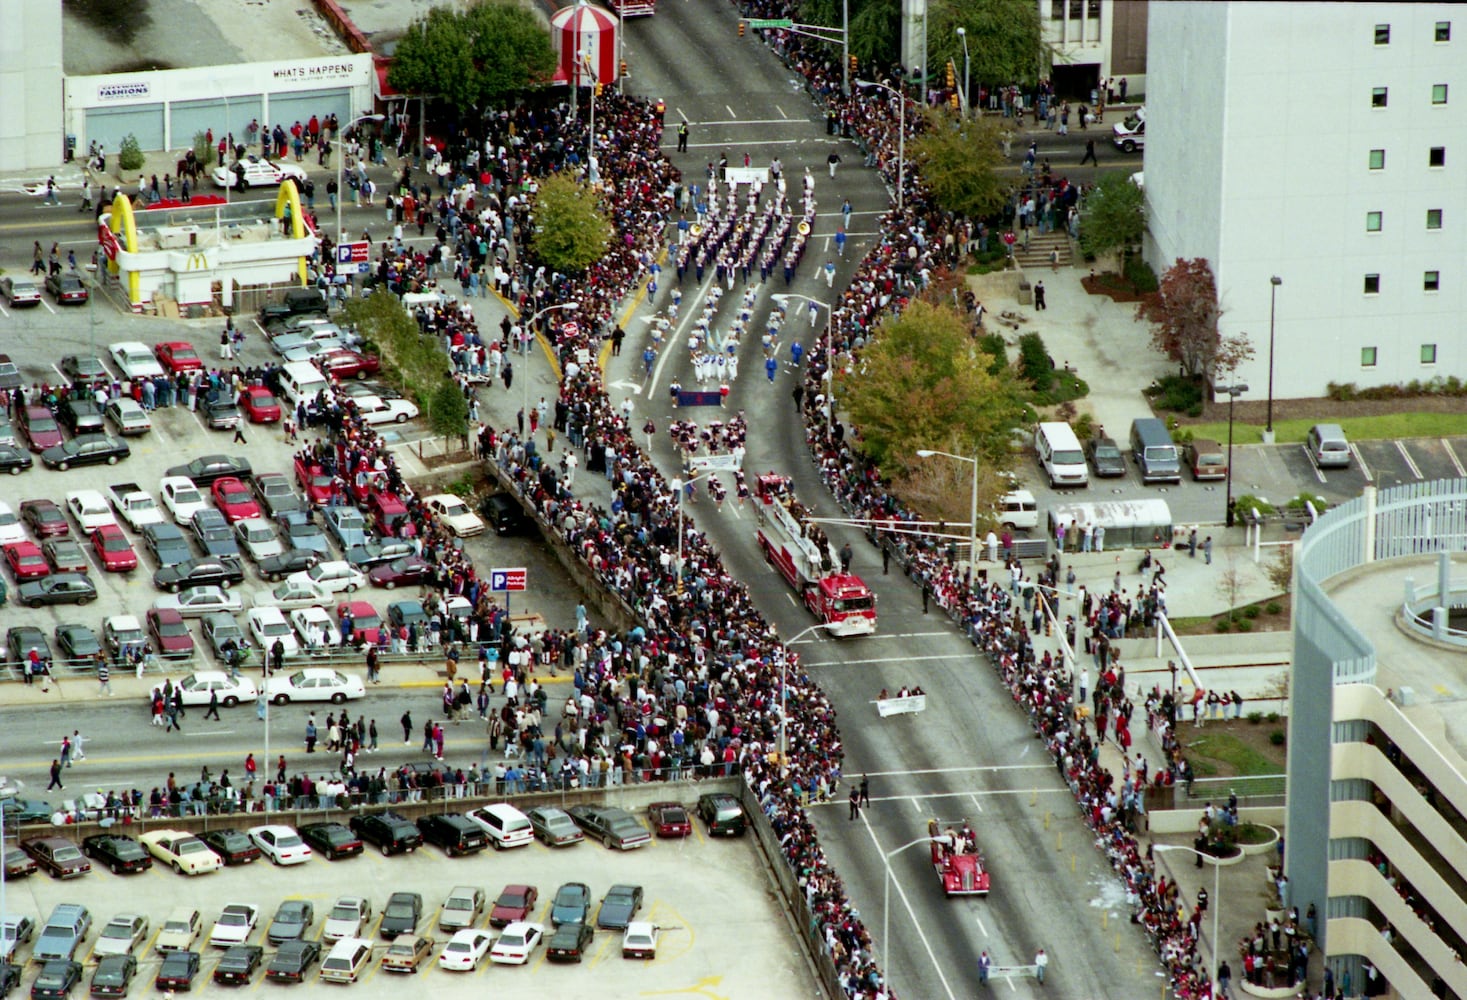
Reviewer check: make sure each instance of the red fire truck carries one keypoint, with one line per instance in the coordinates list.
(806, 558)
(956, 860)
(633, 8)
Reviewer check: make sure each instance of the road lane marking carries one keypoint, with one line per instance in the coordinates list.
(892, 659)
(886, 950)
(981, 928)
(1452, 454)
(666, 351)
(952, 770)
(731, 111)
(917, 800)
(1410, 462)
(973, 797)
(1358, 457)
(1315, 465)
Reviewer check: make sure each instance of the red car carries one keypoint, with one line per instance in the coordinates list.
(404, 572)
(669, 819)
(366, 623)
(45, 518)
(178, 356)
(315, 482)
(113, 549)
(39, 426)
(26, 560)
(516, 902)
(170, 633)
(234, 499)
(259, 405)
(346, 364)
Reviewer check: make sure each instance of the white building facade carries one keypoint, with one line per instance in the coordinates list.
(1324, 144)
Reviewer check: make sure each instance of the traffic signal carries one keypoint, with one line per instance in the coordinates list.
(599, 86)
(741, 29)
(853, 64)
(952, 76)
(623, 67)
(953, 100)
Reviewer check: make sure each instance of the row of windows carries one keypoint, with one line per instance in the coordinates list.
(1370, 356)
(1431, 281)
(1078, 9)
(1436, 156)
(1375, 221)
(1380, 96)
(1383, 32)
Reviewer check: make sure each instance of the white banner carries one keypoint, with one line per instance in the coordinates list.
(746, 175)
(909, 705)
(716, 463)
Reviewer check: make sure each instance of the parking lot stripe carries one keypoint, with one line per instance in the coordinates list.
(1410, 462)
(1315, 465)
(1369, 477)
(1452, 454)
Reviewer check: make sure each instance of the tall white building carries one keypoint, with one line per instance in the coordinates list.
(1325, 144)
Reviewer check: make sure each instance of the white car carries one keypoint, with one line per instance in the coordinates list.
(281, 844)
(293, 594)
(465, 950)
(127, 416)
(316, 629)
(180, 930)
(11, 530)
(376, 410)
(203, 600)
(135, 360)
(315, 684)
(199, 686)
(516, 943)
(181, 497)
(639, 940)
(311, 350)
(348, 918)
(255, 171)
(267, 625)
(89, 509)
(334, 576)
(257, 538)
(234, 925)
(453, 512)
(122, 935)
(181, 851)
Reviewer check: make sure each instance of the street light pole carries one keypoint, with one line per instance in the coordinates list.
(972, 502)
(1233, 392)
(967, 98)
(784, 672)
(340, 156)
(901, 134)
(845, 48)
(1215, 902)
(886, 896)
(677, 485)
(1273, 293)
(530, 328)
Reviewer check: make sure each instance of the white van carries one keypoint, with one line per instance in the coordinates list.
(1060, 456)
(505, 825)
(1018, 510)
(347, 960)
(301, 380)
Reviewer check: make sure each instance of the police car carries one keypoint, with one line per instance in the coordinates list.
(255, 171)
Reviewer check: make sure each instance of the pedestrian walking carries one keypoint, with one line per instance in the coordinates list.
(250, 767)
(261, 706)
(1207, 549)
(1041, 963)
(78, 752)
(55, 776)
(1039, 296)
(170, 713)
(66, 751)
(280, 769)
(213, 712)
(1089, 149)
(372, 736)
(865, 791)
(831, 161)
(855, 802)
(984, 965)
(104, 676)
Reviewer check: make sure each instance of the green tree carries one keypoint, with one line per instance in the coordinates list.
(923, 382)
(448, 411)
(570, 231)
(1114, 217)
(382, 319)
(475, 58)
(960, 161)
(1005, 42)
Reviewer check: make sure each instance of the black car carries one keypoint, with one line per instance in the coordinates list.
(114, 975)
(9, 978)
(277, 568)
(117, 853)
(222, 572)
(21, 639)
(166, 542)
(292, 960)
(81, 415)
(56, 980)
(504, 514)
(388, 832)
(619, 906)
(376, 552)
(219, 410)
(296, 302)
(214, 534)
(332, 839)
(293, 918)
(14, 459)
(85, 371)
(1105, 458)
(58, 588)
(77, 645)
(66, 287)
(89, 449)
(233, 846)
(178, 970)
(203, 471)
(401, 916)
(238, 965)
(614, 827)
(453, 832)
(722, 813)
(569, 943)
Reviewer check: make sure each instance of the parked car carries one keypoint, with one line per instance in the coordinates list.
(221, 572)
(45, 518)
(135, 360)
(407, 952)
(282, 845)
(204, 471)
(67, 288)
(465, 950)
(26, 561)
(89, 449)
(234, 847)
(401, 915)
(59, 977)
(259, 405)
(181, 851)
(332, 841)
(516, 943)
(640, 940)
(347, 525)
(222, 633)
(350, 916)
(235, 924)
(293, 919)
(58, 588)
(288, 563)
(456, 515)
(616, 828)
(453, 832)
(669, 819)
(388, 832)
(334, 576)
(619, 906)
(276, 494)
(123, 935)
(117, 853)
(19, 291)
(234, 499)
(1106, 459)
(1205, 459)
(114, 975)
(129, 418)
(181, 930)
(171, 637)
(84, 370)
(178, 356)
(463, 908)
(257, 538)
(81, 415)
(554, 827)
(177, 971)
(405, 572)
(569, 943)
(57, 857)
(167, 544)
(722, 814)
(38, 427)
(295, 592)
(195, 602)
(113, 550)
(13, 460)
(238, 965)
(65, 556)
(571, 905)
(18, 865)
(292, 961)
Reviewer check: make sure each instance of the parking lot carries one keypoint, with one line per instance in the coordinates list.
(704, 895)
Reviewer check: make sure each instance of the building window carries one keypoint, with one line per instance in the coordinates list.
(1431, 281)
(1437, 157)
(1092, 10)
(1428, 354)
(1057, 10)
(1372, 284)
(1378, 97)
(1077, 9)
(1433, 218)
(1377, 159)
(1382, 34)
(1367, 357)
(1438, 93)
(1444, 31)
(1373, 222)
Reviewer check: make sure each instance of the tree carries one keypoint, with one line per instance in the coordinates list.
(1114, 217)
(960, 162)
(1005, 40)
(1184, 315)
(475, 58)
(448, 411)
(923, 383)
(569, 230)
(382, 319)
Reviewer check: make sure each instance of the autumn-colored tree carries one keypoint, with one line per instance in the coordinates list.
(923, 383)
(1184, 318)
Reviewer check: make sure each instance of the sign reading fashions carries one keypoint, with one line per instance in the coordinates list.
(123, 91)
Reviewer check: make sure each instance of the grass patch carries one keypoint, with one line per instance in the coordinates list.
(1220, 751)
(1387, 426)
